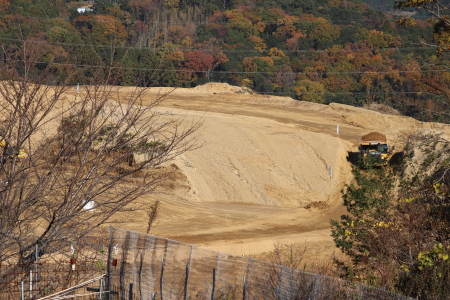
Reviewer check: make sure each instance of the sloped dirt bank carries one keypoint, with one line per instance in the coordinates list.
(270, 171)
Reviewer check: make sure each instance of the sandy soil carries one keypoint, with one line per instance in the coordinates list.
(270, 171)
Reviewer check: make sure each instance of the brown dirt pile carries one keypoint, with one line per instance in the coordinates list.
(373, 136)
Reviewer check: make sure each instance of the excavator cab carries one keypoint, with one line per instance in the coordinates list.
(377, 152)
(375, 148)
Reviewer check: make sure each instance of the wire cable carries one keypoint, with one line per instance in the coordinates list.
(156, 49)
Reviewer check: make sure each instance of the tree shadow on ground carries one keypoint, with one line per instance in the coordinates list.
(353, 157)
(396, 158)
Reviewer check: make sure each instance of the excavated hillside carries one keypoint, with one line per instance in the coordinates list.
(271, 169)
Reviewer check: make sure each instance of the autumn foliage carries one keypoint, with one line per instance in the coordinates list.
(322, 51)
(198, 61)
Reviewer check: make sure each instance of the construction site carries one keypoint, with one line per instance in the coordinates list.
(268, 173)
(270, 170)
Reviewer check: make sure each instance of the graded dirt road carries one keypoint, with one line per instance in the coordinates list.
(270, 171)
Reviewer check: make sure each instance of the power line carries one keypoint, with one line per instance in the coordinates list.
(318, 20)
(156, 49)
(233, 72)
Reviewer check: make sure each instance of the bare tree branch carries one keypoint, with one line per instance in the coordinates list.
(98, 146)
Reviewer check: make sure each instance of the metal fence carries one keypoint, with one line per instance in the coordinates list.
(67, 266)
(33, 281)
(149, 267)
(128, 265)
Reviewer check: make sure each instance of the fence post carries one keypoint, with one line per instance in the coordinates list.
(186, 293)
(188, 268)
(130, 292)
(108, 265)
(213, 284)
(22, 290)
(280, 283)
(36, 275)
(162, 278)
(244, 282)
(141, 266)
(215, 272)
(31, 284)
(247, 272)
(152, 277)
(101, 290)
(316, 286)
(125, 249)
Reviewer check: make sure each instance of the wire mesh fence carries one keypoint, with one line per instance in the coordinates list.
(129, 265)
(148, 267)
(31, 281)
(65, 265)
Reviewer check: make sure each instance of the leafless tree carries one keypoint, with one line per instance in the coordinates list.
(89, 152)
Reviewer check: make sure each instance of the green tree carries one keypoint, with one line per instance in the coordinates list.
(237, 21)
(377, 39)
(101, 7)
(34, 8)
(367, 202)
(325, 32)
(235, 38)
(60, 31)
(312, 91)
(396, 229)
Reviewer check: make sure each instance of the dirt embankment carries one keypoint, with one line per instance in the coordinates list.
(270, 171)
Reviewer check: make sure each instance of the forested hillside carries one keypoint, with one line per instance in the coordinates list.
(322, 51)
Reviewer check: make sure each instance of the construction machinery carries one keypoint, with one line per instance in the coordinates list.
(375, 146)
(10, 151)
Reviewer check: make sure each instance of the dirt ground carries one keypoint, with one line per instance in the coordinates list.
(270, 171)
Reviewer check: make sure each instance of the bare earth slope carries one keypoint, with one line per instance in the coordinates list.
(270, 171)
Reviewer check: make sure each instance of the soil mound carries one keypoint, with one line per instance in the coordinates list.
(374, 136)
(216, 87)
(382, 108)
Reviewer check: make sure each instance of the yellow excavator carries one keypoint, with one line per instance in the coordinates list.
(20, 153)
(376, 146)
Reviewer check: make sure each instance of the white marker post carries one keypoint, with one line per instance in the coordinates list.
(337, 130)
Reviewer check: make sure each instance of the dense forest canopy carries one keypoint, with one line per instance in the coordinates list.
(323, 51)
